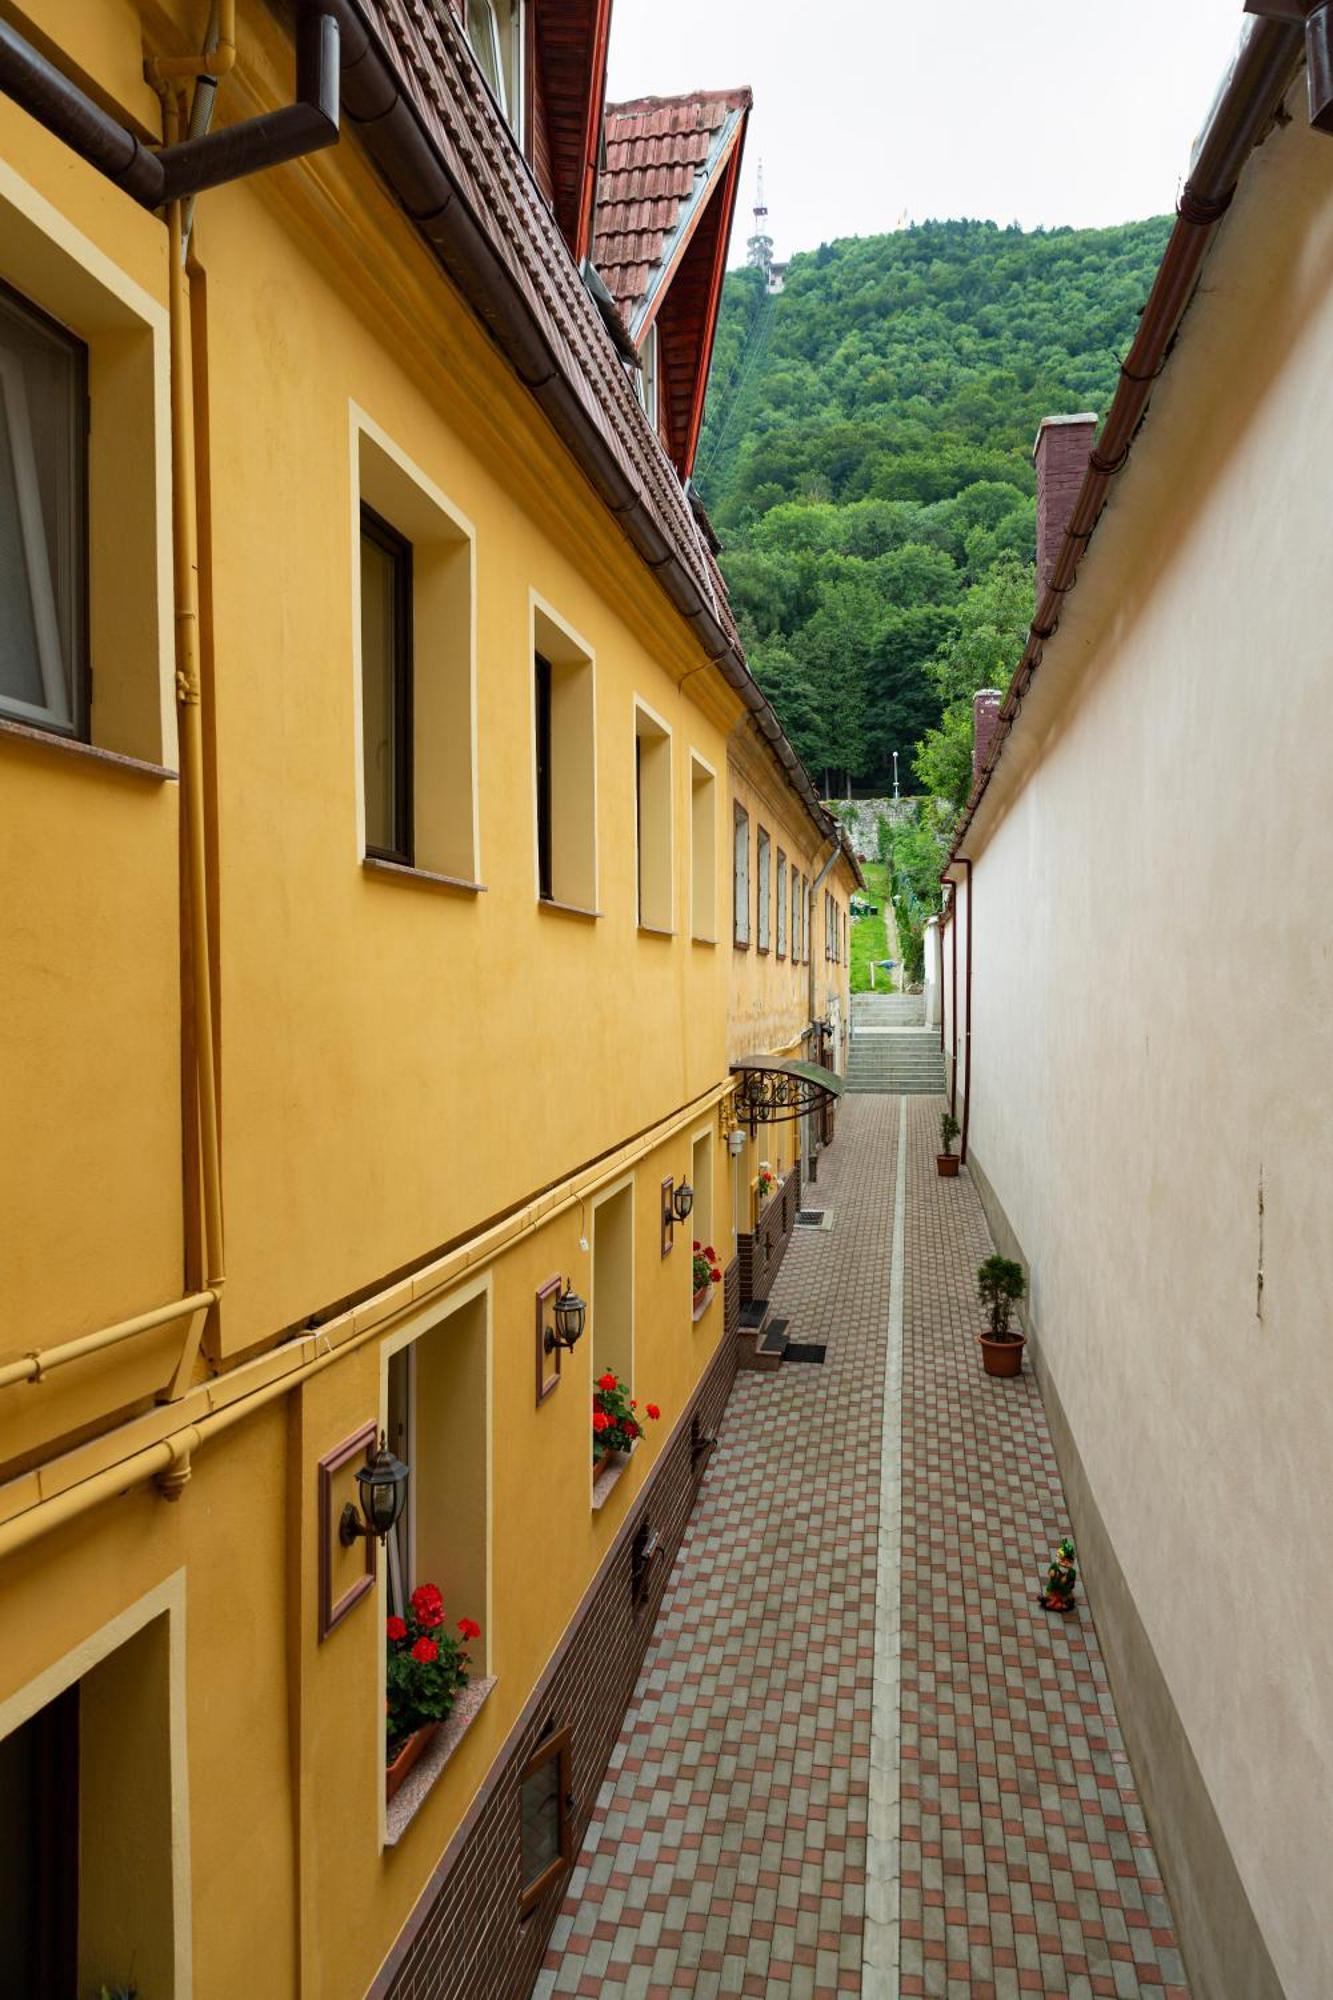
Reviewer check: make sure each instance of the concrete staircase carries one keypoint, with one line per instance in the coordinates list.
(892, 1050)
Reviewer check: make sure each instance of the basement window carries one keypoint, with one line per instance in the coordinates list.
(545, 1799)
(43, 521)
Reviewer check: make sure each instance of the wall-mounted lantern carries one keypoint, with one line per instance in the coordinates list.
(682, 1201)
(570, 1315)
(382, 1490)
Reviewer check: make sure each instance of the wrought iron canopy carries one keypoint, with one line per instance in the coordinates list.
(772, 1092)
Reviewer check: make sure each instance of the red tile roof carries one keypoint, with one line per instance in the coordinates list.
(660, 156)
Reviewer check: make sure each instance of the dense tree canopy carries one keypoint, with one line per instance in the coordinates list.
(867, 461)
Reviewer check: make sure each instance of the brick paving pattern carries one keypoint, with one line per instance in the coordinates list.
(1025, 1863)
(727, 1851)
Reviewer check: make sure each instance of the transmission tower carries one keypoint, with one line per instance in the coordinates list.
(759, 249)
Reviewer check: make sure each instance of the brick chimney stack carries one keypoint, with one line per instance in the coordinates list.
(1061, 458)
(985, 722)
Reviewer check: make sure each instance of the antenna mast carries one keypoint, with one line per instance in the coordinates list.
(759, 249)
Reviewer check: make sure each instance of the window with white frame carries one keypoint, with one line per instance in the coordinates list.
(495, 30)
(764, 890)
(646, 384)
(782, 904)
(795, 916)
(43, 521)
(741, 877)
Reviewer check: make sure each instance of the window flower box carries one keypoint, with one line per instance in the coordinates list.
(426, 1671)
(707, 1273)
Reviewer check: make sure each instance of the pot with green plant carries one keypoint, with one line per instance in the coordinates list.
(616, 1427)
(946, 1160)
(1000, 1285)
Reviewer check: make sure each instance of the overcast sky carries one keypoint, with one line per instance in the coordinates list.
(1036, 111)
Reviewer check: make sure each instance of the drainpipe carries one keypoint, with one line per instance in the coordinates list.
(967, 1033)
(953, 1000)
(811, 1158)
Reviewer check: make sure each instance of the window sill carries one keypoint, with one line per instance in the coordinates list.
(697, 1312)
(70, 746)
(741, 944)
(762, 950)
(420, 1781)
(654, 930)
(609, 1480)
(567, 909)
(402, 871)
(710, 943)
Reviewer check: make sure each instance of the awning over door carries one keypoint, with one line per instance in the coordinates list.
(771, 1091)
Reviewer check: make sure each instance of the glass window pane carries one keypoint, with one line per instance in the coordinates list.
(42, 556)
(378, 693)
(483, 31)
(541, 1819)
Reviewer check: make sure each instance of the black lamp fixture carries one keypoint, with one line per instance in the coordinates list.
(382, 1490)
(682, 1201)
(570, 1316)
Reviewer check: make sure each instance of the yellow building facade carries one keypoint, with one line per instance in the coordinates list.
(378, 951)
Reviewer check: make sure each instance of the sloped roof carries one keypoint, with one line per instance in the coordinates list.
(571, 45)
(663, 157)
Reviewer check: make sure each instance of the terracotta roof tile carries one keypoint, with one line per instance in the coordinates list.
(656, 149)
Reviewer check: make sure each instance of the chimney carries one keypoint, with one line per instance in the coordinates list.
(1061, 458)
(985, 722)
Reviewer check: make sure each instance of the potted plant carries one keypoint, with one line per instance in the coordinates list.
(946, 1160)
(1000, 1284)
(616, 1428)
(427, 1671)
(764, 1183)
(707, 1273)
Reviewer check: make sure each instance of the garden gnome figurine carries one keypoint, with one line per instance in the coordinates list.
(1061, 1577)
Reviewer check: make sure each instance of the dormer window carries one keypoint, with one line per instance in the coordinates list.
(495, 30)
(646, 385)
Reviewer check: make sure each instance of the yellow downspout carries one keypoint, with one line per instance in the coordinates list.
(185, 537)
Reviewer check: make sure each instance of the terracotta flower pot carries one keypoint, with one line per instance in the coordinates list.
(946, 1166)
(700, 1297)
(409, 1750)
(1002, 1357)
(606, 1461)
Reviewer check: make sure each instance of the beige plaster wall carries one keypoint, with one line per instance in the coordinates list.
(1152, 1095)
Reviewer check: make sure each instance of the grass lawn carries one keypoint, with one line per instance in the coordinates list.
(874, 937)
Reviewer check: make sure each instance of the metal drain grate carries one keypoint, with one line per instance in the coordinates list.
(814, 1218)
(806, 1350)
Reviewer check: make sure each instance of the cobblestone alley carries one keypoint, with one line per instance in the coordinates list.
(860, 1759)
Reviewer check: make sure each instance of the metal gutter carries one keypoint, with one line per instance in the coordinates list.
(186, 168)
(1266, 59)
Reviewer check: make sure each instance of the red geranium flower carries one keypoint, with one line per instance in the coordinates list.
(469, 1628)
(711, 1254)
(428, 1605)
(715, 1276)
(606, 1382)
(653, 1411)
(600, 1420)
(396, 1628)
(696, 1243)
(426, 1651)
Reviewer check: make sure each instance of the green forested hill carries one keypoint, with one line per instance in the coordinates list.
(866, 459)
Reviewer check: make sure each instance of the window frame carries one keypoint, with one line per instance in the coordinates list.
(558, 1743)
(541, 745)
(75, 675)
(510, 86)
(398, 548)
(740, 888)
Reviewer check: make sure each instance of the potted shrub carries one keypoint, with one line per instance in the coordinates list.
(1000, 1285)
(764, 1183)
(946, 1160)
(616, 1428)
(707, 1273)
(427, 1671)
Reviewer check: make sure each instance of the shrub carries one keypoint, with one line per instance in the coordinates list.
(948, 1131)
(1000, 1283)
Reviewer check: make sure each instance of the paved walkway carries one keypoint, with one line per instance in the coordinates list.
(792, 1724)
